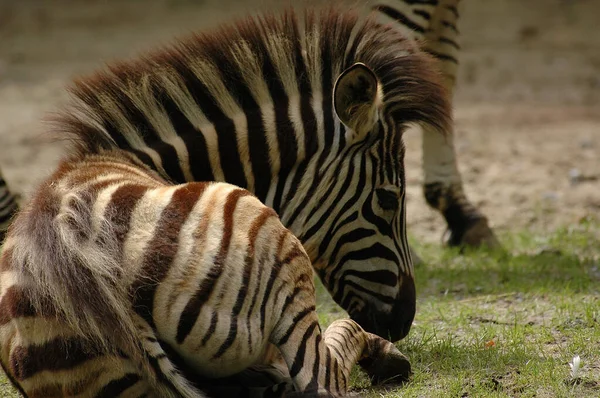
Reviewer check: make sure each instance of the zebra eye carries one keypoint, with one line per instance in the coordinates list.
(387, 199)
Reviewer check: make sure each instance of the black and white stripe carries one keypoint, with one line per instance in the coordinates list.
(114, 282)
(8, 206)
(254, 104)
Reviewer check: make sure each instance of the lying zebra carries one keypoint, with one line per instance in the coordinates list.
(114, 276)
(110, 267)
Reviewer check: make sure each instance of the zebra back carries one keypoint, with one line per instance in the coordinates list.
(209, 107)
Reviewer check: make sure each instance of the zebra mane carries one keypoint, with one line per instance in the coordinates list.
(211, 77)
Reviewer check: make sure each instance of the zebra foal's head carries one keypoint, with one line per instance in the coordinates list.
(361, 251)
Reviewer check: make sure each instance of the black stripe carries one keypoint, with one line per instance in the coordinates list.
(301, 352)
(249, 263)
(442, 57)
(118, 386)
(211, 328)
(453, 10)
(357, 188)
(382, 277)
(260, 279)
(286, 139)
(193, 138)
(163, 248)
(450, 26)
(327, 368)
(290, 298)
(377, 250)
(339, 355)
(355, 235)
(146, 131)
(273, 276)
(313, 384)
(299, 316)
(10, 207)
(377, 296)
(450, 42)
(336, 371)
(6, 194)
(421, 2)
(401, 18)
(423, 14)
(334, 231)
(227, 141)
(192, 309)
(119, 210)
(309, 123)
(66, 353)
(383, 226)
(348, 185)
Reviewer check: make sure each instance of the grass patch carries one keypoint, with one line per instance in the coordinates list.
(493, 324)
(506, 324)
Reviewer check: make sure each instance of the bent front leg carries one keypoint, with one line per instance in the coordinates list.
(321, 363)
(383, 362)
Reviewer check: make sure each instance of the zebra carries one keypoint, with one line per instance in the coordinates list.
(115, 282)
(266, 105)
(8, 206)
(347, 98)
(434, 24)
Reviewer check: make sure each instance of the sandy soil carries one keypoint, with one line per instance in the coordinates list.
(527, 105)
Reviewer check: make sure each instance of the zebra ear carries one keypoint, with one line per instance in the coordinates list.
(355, 99)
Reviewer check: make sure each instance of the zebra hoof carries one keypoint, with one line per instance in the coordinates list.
(391, 368)
(477, 234)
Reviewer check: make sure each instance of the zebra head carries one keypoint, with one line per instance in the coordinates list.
(357, 235)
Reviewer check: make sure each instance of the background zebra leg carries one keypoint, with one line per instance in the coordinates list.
(442, 182)
(8, 206)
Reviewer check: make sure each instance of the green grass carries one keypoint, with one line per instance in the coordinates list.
(493, 324)
(506, 324)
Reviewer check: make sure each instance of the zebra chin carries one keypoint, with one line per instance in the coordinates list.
(392, 325)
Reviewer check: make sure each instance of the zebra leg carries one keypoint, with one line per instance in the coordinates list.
(443, 186)
(326, 368)
(8, 206)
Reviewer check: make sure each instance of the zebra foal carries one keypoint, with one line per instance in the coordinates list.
(307, 113)
(110, 268)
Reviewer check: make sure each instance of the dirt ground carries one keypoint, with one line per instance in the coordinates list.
(527, 104)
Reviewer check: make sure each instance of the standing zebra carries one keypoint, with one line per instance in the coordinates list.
(434, 24)
(306, 113)
(117, 283)
(8, 206)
